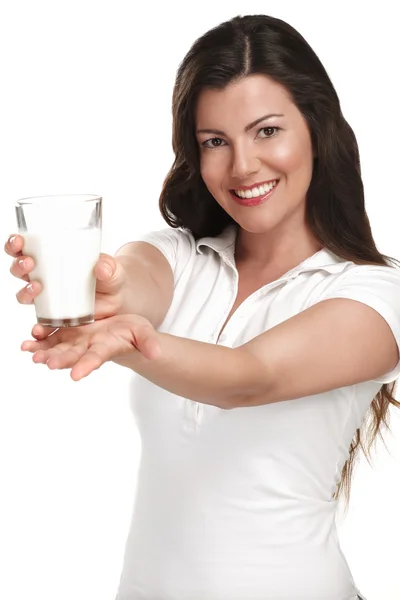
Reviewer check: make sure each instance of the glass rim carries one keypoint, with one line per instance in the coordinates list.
(81, 197)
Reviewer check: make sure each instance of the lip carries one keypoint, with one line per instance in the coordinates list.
(254, 201)
(244, 188)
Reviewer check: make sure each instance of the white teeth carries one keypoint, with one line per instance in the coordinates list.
(256, 191)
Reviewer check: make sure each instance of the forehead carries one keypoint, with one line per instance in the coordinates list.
(249, 98)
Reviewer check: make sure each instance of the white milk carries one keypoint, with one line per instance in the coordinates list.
(64, 261)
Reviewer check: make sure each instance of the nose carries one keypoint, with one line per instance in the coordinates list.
(244, 163)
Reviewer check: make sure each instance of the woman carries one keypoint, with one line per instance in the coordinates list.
(264, 324)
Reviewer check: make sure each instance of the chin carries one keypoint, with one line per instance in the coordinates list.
(255, 224)
(256, 229)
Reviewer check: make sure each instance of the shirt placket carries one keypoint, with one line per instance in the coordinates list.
(195, 410)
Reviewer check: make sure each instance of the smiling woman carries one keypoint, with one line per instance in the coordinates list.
(245, 156)
(266, 330)
(256, 193)
(289, 267)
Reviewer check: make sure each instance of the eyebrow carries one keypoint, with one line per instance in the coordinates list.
(247, 128)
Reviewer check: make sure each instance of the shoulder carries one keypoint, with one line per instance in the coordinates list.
(368, 279)
(176, 244)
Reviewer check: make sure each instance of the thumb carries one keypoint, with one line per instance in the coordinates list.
(146, 340)
(109, 274)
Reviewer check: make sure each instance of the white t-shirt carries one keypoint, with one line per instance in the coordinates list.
(237, 504)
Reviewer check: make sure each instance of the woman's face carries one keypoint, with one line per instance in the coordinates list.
(241, 145)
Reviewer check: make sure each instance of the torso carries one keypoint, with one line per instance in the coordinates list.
(252, 279)
(240, 459)
(238, 302)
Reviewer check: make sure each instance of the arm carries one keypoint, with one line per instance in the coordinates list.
(335, 343)
(199, 371)
(150, 282)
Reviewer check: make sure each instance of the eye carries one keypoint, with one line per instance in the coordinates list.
(212, 143)
(268, 129)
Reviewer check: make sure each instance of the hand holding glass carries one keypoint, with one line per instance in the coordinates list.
(63, 236)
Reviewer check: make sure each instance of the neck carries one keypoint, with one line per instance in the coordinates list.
(260, 251)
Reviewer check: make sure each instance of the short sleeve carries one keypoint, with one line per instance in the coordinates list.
(177, 246)
(378, 287)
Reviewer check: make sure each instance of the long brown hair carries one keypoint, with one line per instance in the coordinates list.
(335, 210)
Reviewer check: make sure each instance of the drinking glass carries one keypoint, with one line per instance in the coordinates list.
(63, 235)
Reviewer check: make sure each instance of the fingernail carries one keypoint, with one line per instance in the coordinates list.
(12, 239)
(21, 263)
(29, 287)
(107, 268)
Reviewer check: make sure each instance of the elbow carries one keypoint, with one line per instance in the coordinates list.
(256, 384)
(237, 401)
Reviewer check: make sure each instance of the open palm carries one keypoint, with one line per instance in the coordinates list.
(84, 349)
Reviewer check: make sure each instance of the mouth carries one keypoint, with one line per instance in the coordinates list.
(253, 196)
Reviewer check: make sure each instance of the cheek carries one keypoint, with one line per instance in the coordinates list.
(292, 155)
(210, 169)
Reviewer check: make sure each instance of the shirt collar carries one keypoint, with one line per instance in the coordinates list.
(224, 245)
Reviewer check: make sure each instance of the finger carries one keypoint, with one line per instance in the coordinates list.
(34, 346)
(105, 267)
(40, 333)
(14, 245)
(27, 294)
(43, 354)
(21, 266)
(64, 356)
(31, 346)
(109, 275)
(97, 355)
(53, 354)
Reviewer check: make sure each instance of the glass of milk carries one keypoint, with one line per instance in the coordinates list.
(63, 236)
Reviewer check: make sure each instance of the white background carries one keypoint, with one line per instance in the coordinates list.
(85, 107)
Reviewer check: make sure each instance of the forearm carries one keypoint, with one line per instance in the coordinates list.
(206, 373)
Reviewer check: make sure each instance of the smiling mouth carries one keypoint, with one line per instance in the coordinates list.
(255, 200)
(256, 191)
